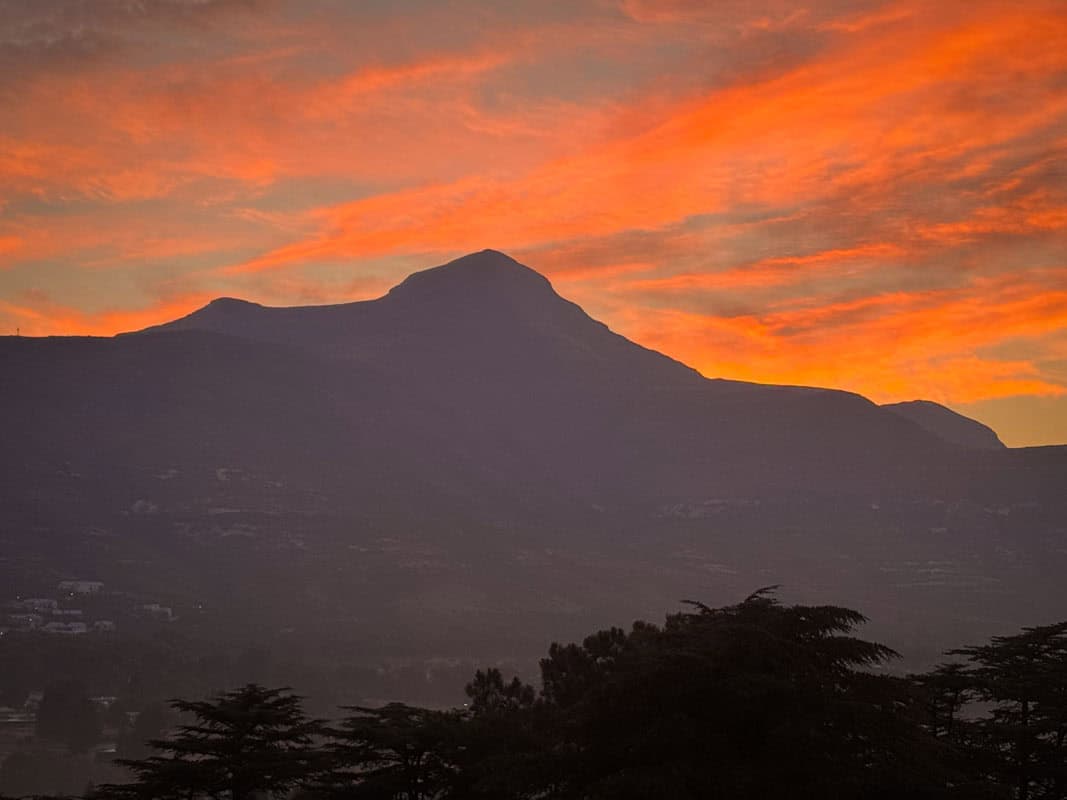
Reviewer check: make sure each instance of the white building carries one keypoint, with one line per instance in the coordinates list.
(66, 628)
(81, 587)
(25, 622)
(38, 604)
(156, 611)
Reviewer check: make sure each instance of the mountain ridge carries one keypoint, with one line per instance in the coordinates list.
(948, 424)
(487, 281)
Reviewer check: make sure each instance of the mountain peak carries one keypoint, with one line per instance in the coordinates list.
(485, 273)
(230, 304)
(220, 314)
(947, 424)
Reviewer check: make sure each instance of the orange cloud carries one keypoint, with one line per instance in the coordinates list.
(10, 245)
(99, 241)
(858, 120)
(775, 271)
(889, 347)
(1026, 215)
(861, 22)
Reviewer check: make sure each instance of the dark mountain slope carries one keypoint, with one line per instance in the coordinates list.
(948, 425)
(484, 313)
(491, 341)
(474, 375)
(121, 410)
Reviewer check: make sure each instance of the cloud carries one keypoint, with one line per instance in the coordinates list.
(66, 37)
(890, 346)
(776, 271)
(835, 124)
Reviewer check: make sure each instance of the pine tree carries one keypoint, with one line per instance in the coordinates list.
(397, 752)
(945, 692)
(490, 695)
(748, 701)
(1023, 741)
(249, 742)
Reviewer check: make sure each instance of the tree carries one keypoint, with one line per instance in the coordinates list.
(945, 692)
(244, 743)
(1023, 741)
(490, 695)
(506, 738)
(753, 700)
(395, 752)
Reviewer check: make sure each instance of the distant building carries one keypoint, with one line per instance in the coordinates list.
(156, 611)
(25, 622)
(103, 703)
(67, 612)
(66, 628)
(38, 604)
(81, 587)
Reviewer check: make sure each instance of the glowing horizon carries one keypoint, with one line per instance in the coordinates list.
(867, 195)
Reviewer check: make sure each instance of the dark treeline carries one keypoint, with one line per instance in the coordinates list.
(755, 700)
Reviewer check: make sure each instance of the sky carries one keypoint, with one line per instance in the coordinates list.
(860, 194)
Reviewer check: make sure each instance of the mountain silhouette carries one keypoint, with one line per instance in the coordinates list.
(424, 453)
(484, 315)
(509, 360)
(948, 424)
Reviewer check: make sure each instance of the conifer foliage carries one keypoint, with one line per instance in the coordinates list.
(1021, 743)
(246, 743)
(397, 751)
(750, 701)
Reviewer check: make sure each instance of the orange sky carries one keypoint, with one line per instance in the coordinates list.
(866, 195)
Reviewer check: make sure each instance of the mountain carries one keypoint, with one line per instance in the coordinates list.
(471, 464)
(508, 360)
(947, 424)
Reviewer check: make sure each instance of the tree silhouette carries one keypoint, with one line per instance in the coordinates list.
(753, 700)
(397, 751)
(749, 701)
(249, 742)
(490, 695)
(1023, 741)
(945, 692)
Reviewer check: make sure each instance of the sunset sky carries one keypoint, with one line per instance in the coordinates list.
(864, 195)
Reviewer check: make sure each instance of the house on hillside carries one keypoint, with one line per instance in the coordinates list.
(158, 612)
(25, 622)
(66, 628)
(81, 587)
(38, 604)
